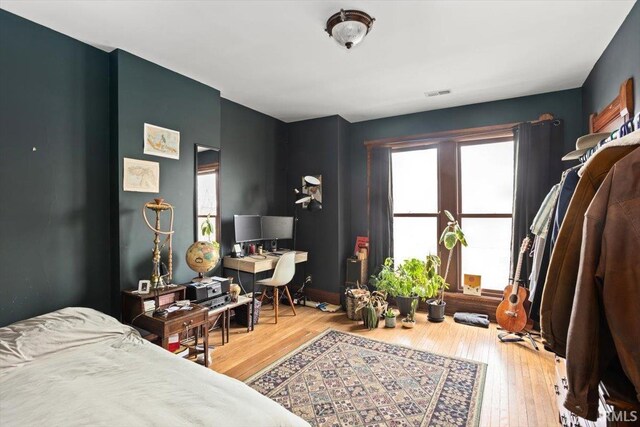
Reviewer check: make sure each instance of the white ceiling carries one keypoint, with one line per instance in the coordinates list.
(274, 56)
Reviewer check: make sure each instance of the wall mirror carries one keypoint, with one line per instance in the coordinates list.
(207, 191)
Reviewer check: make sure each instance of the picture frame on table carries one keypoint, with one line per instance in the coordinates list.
(144, 286)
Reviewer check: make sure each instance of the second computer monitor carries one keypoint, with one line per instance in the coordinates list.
(277, 227)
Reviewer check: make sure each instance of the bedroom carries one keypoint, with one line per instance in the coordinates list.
(262, 132)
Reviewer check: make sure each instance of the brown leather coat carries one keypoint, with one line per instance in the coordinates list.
(604, 333)
(560, 284)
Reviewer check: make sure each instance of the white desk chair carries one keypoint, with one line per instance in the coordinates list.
(282, 275)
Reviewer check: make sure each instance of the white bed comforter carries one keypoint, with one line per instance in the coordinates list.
(79, 367)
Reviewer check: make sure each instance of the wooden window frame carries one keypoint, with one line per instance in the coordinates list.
(448, 144)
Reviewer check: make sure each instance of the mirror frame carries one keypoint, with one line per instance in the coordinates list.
(195, 192)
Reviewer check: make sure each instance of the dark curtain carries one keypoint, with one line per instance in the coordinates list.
(538, 166)
(380, 208)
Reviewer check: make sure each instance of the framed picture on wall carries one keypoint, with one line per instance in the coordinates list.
(141, 176)
(312, 186)
(161, 142)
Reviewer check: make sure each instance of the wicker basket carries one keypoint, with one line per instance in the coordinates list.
(354, 295)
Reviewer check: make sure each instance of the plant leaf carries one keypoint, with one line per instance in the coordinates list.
(448, 214)
(450, 240)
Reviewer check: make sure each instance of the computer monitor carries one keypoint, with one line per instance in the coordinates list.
(277, 227)
(248, 228)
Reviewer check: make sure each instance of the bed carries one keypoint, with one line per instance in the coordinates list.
(77, 366)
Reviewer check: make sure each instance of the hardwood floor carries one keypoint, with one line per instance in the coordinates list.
(519, 384)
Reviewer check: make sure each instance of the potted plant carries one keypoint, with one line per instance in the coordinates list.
(389, 318)
(410, 321)
(372, 307)
(450, 237)
(406, 283)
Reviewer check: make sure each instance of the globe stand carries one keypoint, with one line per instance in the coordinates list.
(201, 279)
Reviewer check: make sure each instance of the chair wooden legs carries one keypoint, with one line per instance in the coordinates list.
(293, 307)
(276, 299)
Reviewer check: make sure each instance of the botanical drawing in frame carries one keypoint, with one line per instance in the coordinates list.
(161, 142)
(141, 176)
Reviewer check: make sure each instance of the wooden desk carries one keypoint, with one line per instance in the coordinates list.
(258, 263)
(177, 322)
(255, 264)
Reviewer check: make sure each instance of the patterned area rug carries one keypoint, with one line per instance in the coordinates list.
(341, 379)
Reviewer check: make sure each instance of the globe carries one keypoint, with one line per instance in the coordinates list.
(203, 256)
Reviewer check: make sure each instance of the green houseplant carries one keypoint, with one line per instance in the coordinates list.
(451, 236)
(372, 307)
(410, 321)
(389, 318)
(405, 283)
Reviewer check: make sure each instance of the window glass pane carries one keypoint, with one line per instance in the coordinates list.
(487, 177)
(207, 198)
(489, 250)
(415, 181)
(414, 238)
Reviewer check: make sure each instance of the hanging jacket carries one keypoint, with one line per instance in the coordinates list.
(567, 187)
(605, 320)
(560, 284)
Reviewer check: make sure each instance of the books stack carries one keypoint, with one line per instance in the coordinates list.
(149, 305)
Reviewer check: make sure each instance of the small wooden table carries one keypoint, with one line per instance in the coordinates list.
(177, 322)
(225, 312)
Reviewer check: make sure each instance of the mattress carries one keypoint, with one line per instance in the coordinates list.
(80, 367)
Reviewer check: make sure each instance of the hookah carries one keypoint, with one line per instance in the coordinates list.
(158, 275)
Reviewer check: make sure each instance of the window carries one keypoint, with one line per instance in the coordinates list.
(207, 200)
(415, 203)
(473, 180)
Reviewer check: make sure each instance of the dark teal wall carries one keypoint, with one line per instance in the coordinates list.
(317, 147)
(566, 105)
(54, 204)
(253, 166)
(147, 93)
(619, 61)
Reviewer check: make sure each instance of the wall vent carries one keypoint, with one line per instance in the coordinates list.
(437, 93)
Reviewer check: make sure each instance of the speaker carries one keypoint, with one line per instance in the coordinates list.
(356, 271)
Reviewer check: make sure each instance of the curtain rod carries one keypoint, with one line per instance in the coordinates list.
(476, 133)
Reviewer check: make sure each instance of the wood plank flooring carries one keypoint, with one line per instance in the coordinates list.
(519, 383)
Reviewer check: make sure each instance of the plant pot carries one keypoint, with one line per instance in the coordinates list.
(404, 304)
(435, 311)
(389, 322)
(407, 324)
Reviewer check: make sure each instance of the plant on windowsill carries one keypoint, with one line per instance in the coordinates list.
(390, 318)
(207, 228)
(450, 237)
(410, 321)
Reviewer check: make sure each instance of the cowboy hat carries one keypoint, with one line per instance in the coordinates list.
(584, 143)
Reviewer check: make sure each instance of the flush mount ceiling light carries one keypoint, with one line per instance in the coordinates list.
(349, 27)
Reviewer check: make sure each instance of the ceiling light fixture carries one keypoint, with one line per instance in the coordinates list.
(349, 27)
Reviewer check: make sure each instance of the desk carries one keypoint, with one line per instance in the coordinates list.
(255, 264)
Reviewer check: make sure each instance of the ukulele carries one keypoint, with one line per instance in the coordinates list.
(511, 313)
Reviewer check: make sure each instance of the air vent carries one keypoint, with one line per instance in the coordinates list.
(437, 93)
